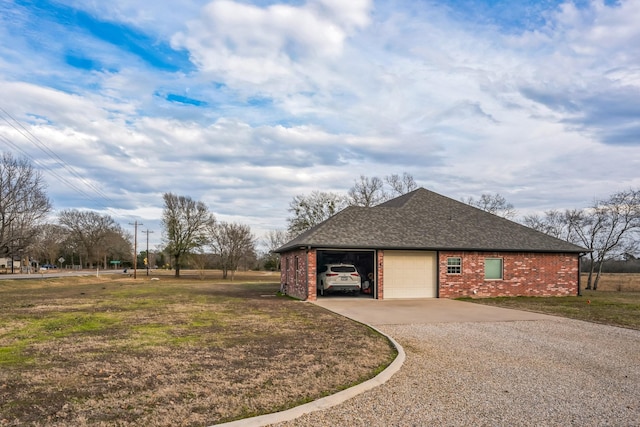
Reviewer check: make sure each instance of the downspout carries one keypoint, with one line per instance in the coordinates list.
(580, 271)
(374, 285)
(437, 274)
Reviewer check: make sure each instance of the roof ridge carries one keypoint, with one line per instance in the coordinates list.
(401, 200)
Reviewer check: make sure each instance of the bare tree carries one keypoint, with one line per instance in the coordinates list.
(495, 204)
(48, 243)
(273, 240)
(536, 222)
(200, 260)
(372, 191)
(91, 231)
(584, 227)
(185, 223)
(23, 204)
(231, 242)
(309, 211)
(608, 229)
(367, 192)
(400, 185)
(554, 223)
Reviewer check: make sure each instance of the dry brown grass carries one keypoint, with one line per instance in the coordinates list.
(114, 351)
(618, 282)
(616, 302)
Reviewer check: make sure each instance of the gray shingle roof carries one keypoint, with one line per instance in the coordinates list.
(426, 220)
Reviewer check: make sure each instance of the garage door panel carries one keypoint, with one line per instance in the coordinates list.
(409, 274)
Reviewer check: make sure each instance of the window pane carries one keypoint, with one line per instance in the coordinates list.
(454, 265)
(493, 268)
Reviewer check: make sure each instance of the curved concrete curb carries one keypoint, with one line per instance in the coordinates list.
(329, 401)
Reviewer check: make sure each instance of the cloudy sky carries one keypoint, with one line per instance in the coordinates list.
(245, 104)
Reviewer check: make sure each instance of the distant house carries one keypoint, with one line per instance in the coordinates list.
(425, 245)
(5, 264)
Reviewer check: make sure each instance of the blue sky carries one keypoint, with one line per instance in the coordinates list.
(244, 105)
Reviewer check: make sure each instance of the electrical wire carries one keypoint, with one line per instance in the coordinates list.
(48, 169)
(100, 198)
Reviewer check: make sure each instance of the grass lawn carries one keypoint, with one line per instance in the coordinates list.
(114, 350)
(611, 308)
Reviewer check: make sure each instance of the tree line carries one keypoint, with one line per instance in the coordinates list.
(190, 228)
(81, 238)
(609, 228)
(88, 239)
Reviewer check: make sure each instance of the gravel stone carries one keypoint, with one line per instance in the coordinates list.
(557, 372)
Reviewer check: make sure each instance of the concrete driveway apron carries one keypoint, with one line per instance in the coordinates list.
(421, 311)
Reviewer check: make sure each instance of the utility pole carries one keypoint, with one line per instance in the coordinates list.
(11, 230)
(148, 257)
(135, 248)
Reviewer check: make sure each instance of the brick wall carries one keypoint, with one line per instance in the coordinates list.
(312, 293)
(297, 274)
(526, 274)
(380, 280)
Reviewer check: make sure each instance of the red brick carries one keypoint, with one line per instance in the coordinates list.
(299, 282)
(524, 274)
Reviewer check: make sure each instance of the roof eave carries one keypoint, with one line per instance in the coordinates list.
(423, 248)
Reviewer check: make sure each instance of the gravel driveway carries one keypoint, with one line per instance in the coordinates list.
(551, 372)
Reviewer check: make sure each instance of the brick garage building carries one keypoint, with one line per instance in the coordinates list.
(425, 245)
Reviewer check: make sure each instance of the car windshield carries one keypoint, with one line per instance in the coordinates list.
(343, 269)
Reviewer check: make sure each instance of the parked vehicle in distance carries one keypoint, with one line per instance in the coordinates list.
(47, 266)
(338, 278)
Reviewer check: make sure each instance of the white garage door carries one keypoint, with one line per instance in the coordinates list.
(409, 274)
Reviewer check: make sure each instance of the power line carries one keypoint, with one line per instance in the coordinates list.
(147, 232)
(22, 130)
(43, 147)
(51, 171)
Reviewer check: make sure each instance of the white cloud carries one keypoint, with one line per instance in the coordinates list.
(585, 69)
(246, 44)
(310, 96)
